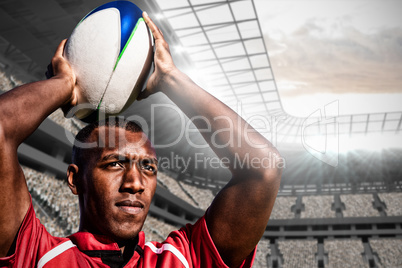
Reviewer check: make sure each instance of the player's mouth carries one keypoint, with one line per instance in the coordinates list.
(130, 206)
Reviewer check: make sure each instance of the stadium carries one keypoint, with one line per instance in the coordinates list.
(340, 199)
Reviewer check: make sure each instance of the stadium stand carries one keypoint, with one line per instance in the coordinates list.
(389, 251)
(345, 252)
(8, 82)
(393, 203)
(51, 225)
(262, 254)
(298, 253)
(318, 207)
(5, 84)
(55, 195)
(283, 207)
(359, 206)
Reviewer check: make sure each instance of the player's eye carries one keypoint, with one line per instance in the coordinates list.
(115, 164)
(148, 166)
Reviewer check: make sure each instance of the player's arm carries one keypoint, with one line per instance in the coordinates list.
(239, 214)
(22, 110)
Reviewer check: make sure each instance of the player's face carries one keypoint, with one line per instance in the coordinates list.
(119, 183)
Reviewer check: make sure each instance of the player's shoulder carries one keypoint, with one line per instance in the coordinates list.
(173, 252)
(178, 248)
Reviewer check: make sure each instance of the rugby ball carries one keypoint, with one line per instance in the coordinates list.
(110, 52)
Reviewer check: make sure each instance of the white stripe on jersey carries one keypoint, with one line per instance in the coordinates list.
(55, 252)
(170, 248)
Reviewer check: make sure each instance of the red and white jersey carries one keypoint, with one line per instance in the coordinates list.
(191, 246)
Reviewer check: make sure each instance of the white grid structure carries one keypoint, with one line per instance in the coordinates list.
(225, 42)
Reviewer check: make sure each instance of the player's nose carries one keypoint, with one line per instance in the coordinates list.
(133, 180)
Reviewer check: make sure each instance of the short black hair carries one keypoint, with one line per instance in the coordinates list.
(84, 134)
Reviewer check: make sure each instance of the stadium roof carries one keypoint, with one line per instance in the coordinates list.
(220, 44)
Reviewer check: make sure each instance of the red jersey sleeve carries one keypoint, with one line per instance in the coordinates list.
(32, 241)
(200, 250)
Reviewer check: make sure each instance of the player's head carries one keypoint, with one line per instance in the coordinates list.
(114, 174)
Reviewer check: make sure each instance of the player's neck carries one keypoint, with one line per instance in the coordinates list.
(127, 249)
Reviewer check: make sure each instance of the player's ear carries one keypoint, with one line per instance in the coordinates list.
(72, 178)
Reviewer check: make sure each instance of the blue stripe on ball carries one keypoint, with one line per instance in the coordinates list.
(129, 16)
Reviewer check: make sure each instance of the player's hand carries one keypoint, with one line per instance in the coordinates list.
(60, 69)
(163, 62)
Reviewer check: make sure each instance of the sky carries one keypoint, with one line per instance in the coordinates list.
(323, 51)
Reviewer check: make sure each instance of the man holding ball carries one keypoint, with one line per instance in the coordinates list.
(116, 182)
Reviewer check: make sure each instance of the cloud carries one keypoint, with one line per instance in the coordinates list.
(334, 57)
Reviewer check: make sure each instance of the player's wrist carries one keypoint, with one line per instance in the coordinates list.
(173, 80)
(66, 88)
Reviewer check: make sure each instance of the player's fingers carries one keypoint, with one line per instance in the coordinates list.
(60, 48)
(154, 29)
(59, 52)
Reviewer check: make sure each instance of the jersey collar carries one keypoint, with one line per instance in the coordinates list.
(87, 241)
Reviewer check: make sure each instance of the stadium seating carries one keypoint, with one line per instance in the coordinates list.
(50, 224)
(389, 251)
(318, 207)
(298, 253)
(263, 251)
(345, 253)
(283, 208)
(393, 202)
(359, 206)
(7, 83)
(56, 196)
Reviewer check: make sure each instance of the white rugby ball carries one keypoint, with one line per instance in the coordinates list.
(110, 52)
